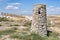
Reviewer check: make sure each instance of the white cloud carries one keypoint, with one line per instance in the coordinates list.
(13, 6)
(53, 10)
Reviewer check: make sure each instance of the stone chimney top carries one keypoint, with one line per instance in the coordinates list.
(39, 5)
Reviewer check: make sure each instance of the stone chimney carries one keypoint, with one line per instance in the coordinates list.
(39, 20)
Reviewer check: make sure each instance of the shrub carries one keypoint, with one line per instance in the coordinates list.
(3, 19)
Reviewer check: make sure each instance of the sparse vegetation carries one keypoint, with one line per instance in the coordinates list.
(0, 24)
(52, 36)
(23, 36)
(14, 25)
(33, 36)
(14, 28)
(6, 32)
(27, 23)
(36, 37)
(3, 19)
(48, 23)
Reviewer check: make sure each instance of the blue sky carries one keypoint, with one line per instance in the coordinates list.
(24, 7)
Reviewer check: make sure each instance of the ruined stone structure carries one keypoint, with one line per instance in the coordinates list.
(39, 21)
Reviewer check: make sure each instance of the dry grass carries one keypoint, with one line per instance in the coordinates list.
(55, 18)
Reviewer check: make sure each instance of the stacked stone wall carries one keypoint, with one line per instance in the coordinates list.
(39, 20)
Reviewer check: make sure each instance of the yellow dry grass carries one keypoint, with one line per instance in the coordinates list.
(56, 19)
(18, 18)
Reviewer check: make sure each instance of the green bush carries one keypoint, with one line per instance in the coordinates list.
(3, 19)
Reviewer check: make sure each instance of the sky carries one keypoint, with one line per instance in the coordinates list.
(25, 7)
